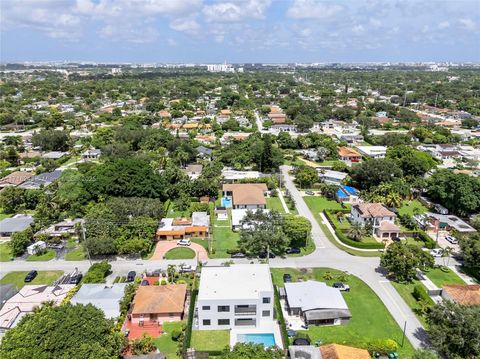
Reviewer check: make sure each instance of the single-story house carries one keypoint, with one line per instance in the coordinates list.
(229, 175)
(17, 223)
(348, 194)
(331, 177)
(204, 152)
(29, 297)
(106, 298)
(193, 171)
(15, 178)
(348, 154)
(91, 154)
(316, 303)
(36, 247)
(61, 229)
(238, 215)
(447, 222)
(373, 151)
(158, 303)
(42, 180)
(246, 195)
(54, 155)
(179, 228)
(464, 294)
(337, 351)
(380, 217)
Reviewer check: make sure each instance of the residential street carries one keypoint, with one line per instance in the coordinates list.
(325, 255)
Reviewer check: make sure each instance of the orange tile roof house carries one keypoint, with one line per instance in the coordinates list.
(349, 154)
(337, 351)
(246, 195)
(179, 228)
(462, 293)
(15, 178)
(276, 115)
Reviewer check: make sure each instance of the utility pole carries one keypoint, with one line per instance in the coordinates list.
(404, 330)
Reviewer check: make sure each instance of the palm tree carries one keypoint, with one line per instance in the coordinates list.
(327, 276)
(356, 232)
(447, 251)
(393, 199)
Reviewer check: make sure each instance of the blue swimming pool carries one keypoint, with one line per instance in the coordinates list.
(267, 339)
(226, 202)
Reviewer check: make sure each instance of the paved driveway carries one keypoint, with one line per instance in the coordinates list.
(164, 246)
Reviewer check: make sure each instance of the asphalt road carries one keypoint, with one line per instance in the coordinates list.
(325, 255)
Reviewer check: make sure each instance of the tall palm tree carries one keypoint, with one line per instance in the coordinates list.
(356, 232)
(393, 199)
(447, 252)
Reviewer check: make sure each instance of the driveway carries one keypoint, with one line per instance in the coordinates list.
(164, 246)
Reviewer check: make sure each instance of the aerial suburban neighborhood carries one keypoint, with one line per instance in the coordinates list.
(304, 210)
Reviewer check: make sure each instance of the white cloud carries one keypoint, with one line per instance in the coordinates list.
(467, 24)
(358, 29)
(187, 25)
(312, 9)
(235, 11)
(444, 25)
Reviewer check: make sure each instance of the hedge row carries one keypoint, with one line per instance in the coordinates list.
(344, 239)
(280, 318)
(425, 238)
(420, 294)
(191, 312)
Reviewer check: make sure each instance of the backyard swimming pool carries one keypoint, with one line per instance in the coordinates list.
(267, 339)
(226, 202)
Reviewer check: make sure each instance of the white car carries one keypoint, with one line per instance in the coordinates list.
(451, 239)
(184, 242)
(436, 252)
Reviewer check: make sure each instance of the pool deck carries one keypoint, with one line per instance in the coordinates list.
(264, 329)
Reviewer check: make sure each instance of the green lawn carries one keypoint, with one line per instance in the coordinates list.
(5, 252)
(180, 253)
(174, 214)
(43, 277)
(411, 208)
(370, 321)
(318, 204)
(406, 292)
(77, 254)
(210, 340)
(224, 238)
(275, 204)
(442, 276)
(165, 343)
(47, 256)
(3, 215)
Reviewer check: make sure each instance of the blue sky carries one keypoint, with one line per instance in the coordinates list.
(199, 31)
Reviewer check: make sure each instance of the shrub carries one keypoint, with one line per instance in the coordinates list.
(181, 281)
(420, 294)
(156, 282)
(176, 334)
(163, 282)
(97, 272)
(384, 347)
(425, 238)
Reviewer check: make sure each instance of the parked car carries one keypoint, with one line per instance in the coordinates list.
(263, 255)
(451, 239)
(436, 252)
(131, 276)
(75, 279)
(184, 242)
(293, 250)
(310, 193)
(184, 268)
(238, 255)
(291, 333)
(144, 283)
(30, 276)
(301, 341)
(287, 278)
(341, 286)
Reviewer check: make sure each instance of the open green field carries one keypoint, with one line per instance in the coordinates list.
(318, 204)
(165, 344)
(275, 204)
(180, 253)
(210, 340)
(412, 208)
(371, 321)
(406, 292)
(441, 276)
(47, 256)
(224, 239)
(5, 252)
(43, 277)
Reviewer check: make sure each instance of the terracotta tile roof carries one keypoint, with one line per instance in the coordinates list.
(161, 299)
(389, 226)
(348, 152)
(463, 294)
(337, 351)
(15, 178)
(247, 193)
(373, 210)
(182, 221)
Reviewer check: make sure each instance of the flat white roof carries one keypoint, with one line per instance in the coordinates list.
(239, 281)
(314, 295)
(239, 214)
(372, 149)
(333, 174)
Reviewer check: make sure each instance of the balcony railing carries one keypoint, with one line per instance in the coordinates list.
(246, 311)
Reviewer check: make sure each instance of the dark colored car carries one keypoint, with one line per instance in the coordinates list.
(287, 278)
(301, 341)
(144, 283)
(263, 255)
(30, 276)
(293, 250)
(238, 255)
(310, 193)
(291, 333)
(341, 286)
(75, 279)
(131, 276)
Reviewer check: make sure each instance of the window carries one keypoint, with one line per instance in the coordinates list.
(265, 313)
(223, 308)
(206, 322)
(205, 307)
(266, 300)
(224, 322)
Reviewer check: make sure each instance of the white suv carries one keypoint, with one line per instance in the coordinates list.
(184, 242)
(451, 239)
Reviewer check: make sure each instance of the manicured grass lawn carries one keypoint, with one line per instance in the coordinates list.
(210, 340)
(180, 253)
(47, 256)
(224, 238)
(412, 207)
(3, 215)
(406, 292)
(77, 254)
(442, 276)
(43, 277)
(174, 214)
(317, 204)
(309, 248)
(275, 204)
(370, 320)
(5, 252)
(165, 343)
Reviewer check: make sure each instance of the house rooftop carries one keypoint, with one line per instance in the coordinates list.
(240, 281)
(17, 223)
(337, 351)
(15, 178)
(373, 210)
(168, 298)
(463, 293)
(101, 296)
(311, 294)
(247, 193)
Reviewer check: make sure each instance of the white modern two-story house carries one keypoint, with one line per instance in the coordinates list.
(380, 217)
(237, 296)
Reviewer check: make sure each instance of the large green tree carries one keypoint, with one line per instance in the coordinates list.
(51, 140)
(66, 331)
(297, 229)
(250, 350)
(411, 161)
(455, 330)
(305, 176)
(471, 251)
(371, 173)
